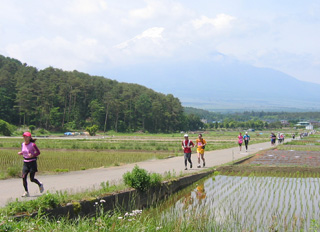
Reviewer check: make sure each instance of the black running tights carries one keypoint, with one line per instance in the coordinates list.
(32, 179)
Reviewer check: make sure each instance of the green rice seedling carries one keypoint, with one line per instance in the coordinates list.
(75, 160)
(287, 212)
(14, 171)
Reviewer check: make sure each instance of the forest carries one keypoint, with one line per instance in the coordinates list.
(58, 100)
(270, 117)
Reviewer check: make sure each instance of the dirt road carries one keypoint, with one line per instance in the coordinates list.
(78, 181)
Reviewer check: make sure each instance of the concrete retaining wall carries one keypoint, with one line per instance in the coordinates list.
(126, 201)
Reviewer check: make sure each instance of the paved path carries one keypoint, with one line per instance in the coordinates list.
(77, 181)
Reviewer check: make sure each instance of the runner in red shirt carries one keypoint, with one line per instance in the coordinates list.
(186, 146)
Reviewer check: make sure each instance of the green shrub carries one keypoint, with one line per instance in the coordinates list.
(49, 201)
(92, 130)
(155, 179)
(5, 128)
(140, 179)
(41, 131)
(32, 128)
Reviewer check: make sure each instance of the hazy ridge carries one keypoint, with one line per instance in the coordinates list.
(224, 86)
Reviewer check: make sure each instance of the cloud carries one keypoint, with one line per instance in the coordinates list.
(155, 9)
(143, 13)
(221, 21)
(87, 6)
(57, 52)
(75, 34)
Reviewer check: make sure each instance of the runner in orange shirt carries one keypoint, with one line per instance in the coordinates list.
(201, 143)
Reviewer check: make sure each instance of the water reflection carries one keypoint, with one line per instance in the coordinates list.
(201, 194)
(252, 203)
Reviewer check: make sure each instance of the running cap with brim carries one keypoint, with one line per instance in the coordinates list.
(186, 135)
(27, 134)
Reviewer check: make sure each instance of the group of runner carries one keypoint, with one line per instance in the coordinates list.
(30, 152)
(274, 137)
(188, 144)
(245, 138)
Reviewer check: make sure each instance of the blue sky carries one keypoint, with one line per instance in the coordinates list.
(94, 36)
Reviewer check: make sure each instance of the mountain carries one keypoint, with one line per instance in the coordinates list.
(224, 86)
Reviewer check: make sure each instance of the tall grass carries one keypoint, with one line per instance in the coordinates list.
(52, 161)
(216, 140)
(71, 154)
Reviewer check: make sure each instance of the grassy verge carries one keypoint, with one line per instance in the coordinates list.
(57, 199)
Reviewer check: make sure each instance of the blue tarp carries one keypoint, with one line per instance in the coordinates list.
(68, 133)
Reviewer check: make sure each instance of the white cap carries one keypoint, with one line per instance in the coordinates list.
(186, 135)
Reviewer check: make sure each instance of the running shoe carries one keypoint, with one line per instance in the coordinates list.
(26, 194)
(204, 164)
(186, 169)
(199, 166)
(191, 165)
(41, 188)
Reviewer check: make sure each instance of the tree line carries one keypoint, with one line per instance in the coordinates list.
(269, 117)
(59, 100)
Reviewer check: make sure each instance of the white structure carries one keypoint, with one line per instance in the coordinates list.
(204, 120)
(303, 124)
(309, 127)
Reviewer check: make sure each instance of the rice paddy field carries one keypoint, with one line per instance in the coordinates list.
(72, 153)
(251, 203)
(303, 152)
(219, 203)
(235, 201)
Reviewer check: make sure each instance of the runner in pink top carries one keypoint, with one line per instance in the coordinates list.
(30, 152)
(240, 140)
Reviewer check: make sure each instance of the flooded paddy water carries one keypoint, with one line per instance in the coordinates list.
(275, 190)
(242, 203)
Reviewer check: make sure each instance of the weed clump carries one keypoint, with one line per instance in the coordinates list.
(140, 179)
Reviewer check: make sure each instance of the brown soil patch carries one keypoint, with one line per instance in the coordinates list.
(286, 158)
(278, 161)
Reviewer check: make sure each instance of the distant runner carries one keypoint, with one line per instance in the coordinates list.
(246, 138)
(240, 140)
(186, 146)
(201, 144)
(273, 139)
